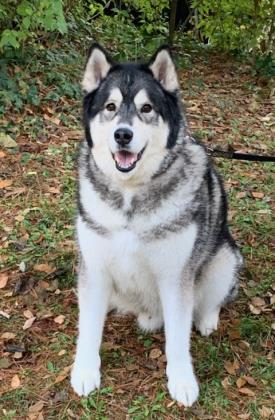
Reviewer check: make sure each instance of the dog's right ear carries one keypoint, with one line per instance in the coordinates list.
(97, 67)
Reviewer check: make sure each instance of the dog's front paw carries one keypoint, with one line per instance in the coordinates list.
(183, 387)
(84, 380)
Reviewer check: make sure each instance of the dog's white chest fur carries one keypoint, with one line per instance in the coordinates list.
(134, 287)
(125, 259)
(128, 263)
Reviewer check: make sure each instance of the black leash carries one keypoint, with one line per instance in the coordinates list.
(230, 154)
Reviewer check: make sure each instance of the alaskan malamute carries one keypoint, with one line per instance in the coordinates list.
(152, 222)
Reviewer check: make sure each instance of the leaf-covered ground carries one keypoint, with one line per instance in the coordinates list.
(226, 105)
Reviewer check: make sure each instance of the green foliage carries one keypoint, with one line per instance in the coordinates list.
(14, 91)
(245, 25)
(137, 24)
(20, 85)
(265, 65)
(148, 14)
(151, 13)
(135, 28)
(24, 20)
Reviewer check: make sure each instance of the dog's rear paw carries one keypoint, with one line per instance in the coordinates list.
(208, 323)
(183, 388)
(149, 323)
(85, 381)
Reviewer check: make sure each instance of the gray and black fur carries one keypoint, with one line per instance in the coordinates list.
(152, 216)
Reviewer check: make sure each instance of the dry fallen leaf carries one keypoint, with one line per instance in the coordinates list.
(251, 381)
(7, 336)
(256, 194)
(3, 280)
(254, 310)
(226, 382)
(15, 382)
(43, 284)
(244, 345)
(244, 416)
(241, 194)
(240, 382)
(15, 191)
(234, 334)
(266, 412)
(18, 355)
(61, 352)
(54, 190)
(247, 391)
(71, 414)
(63, 375)
(231, 367)
(59, 319)
(55, 120)
(257, 301)
(45, 268)
(29, 323)
(28, 314)
(5, 314)
(155, 353)
(36, 408)
(7, 141)
(5, 183)
(19, 218)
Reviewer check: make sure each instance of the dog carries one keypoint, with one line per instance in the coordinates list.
(152, 218)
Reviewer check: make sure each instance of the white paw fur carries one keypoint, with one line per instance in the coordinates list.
(84, 380)
(208, 323)
(183, 387)
(149, 323)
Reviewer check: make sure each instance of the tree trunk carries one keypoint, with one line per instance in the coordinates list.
(172, 21)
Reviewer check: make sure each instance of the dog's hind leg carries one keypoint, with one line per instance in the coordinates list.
(148, 322)
(217, 285)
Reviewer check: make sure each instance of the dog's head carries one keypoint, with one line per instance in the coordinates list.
(132, 113)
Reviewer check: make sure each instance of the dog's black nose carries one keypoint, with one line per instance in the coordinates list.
(123, 136)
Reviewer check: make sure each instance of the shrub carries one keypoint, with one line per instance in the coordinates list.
(24, 20)
(243, 25)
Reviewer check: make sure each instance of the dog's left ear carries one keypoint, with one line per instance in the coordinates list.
(163, 69)
(97, 68)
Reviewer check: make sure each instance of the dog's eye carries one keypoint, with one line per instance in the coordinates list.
(111, 107)
(146, 108)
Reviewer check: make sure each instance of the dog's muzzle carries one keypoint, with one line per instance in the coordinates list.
(125, 160)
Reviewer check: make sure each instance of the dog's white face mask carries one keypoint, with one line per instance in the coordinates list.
(129, 135)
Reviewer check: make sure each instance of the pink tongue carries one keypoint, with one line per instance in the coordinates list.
(125, 159)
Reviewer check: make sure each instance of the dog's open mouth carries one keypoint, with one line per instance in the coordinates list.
(125, 160)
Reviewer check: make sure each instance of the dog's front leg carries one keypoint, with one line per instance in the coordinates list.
(177, 304)
(93, 297)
